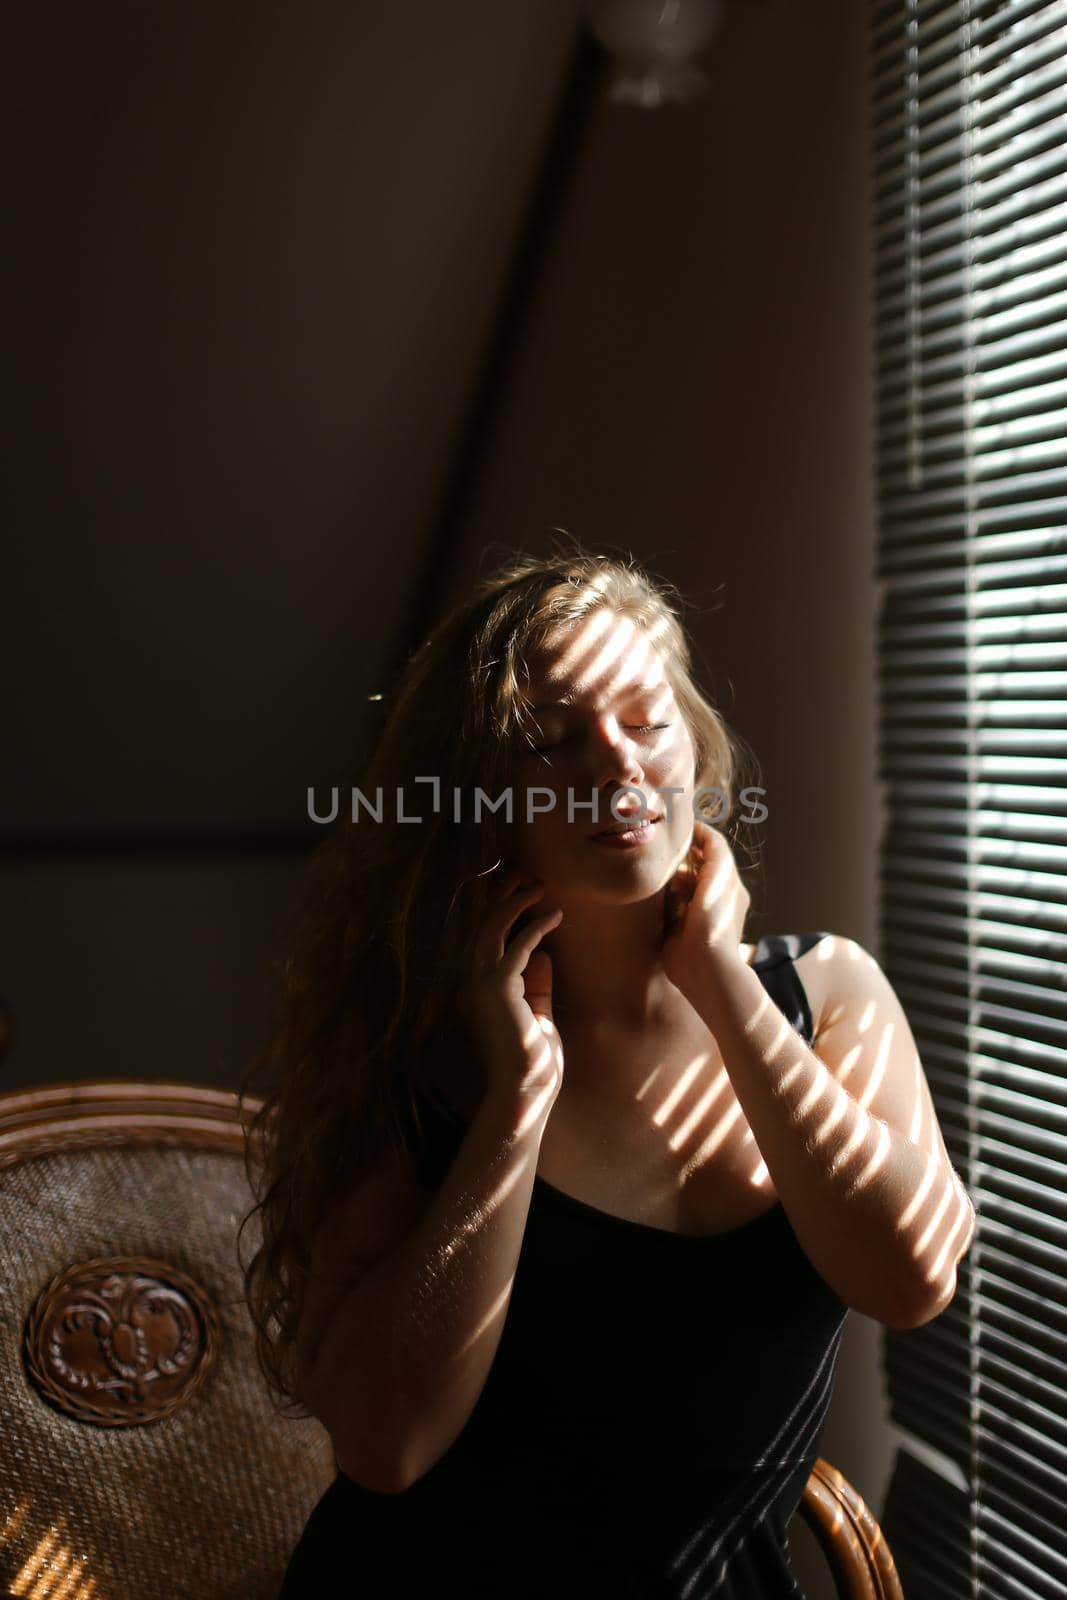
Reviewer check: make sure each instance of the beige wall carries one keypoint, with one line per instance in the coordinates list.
(695, 385)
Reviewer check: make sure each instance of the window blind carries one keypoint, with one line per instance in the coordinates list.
(968, 141)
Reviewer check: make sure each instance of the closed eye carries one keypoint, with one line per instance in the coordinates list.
(634, 727)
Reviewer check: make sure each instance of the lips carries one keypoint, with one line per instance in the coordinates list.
(627, 825)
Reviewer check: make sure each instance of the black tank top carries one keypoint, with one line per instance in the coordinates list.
(650, 1419)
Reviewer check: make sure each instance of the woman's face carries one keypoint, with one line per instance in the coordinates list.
(602, 715)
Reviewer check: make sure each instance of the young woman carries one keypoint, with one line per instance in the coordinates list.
(562, 1212)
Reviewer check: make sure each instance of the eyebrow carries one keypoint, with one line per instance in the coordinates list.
(629, 688)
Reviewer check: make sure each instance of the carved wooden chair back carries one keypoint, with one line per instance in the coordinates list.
(143, 1452)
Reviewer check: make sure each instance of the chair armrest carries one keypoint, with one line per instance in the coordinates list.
(849, 1537)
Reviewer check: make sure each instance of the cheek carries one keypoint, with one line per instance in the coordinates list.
(531, 830)
(677, 771)
(534, 852)
(676, 764)
(538, 786)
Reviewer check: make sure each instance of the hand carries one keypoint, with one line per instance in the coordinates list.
(706, 909)
(506, 997)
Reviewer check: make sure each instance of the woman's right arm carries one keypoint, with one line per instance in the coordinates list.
(407, 1350)
(421, 1289)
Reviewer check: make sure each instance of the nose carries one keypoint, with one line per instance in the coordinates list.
(615, 759)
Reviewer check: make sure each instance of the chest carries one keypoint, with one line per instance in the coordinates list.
(652, 1131)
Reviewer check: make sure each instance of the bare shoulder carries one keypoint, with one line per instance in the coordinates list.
(362, 1224)
(844, 981)
(819, 971)
(864, 1039)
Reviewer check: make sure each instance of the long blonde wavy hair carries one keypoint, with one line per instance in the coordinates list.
(376, 943)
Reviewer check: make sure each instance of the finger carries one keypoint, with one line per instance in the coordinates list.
(716, 891)
(524, 943)
(712, 839)
(725, 919)
(537, 983)
(508, 905)
(497, 888)
(494, 935)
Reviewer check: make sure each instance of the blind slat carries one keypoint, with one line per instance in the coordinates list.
(969, 187)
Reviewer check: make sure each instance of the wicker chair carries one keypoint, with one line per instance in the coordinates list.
(849, 1537)
(144, 1457)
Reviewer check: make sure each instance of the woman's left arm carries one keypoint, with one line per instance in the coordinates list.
(848, 1132)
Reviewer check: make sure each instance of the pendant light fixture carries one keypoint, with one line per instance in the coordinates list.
(654, 44)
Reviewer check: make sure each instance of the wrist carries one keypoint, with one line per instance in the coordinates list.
(517, 1108)
(705, 975)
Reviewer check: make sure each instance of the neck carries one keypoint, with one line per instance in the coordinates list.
(607, 969)
(606, 965)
